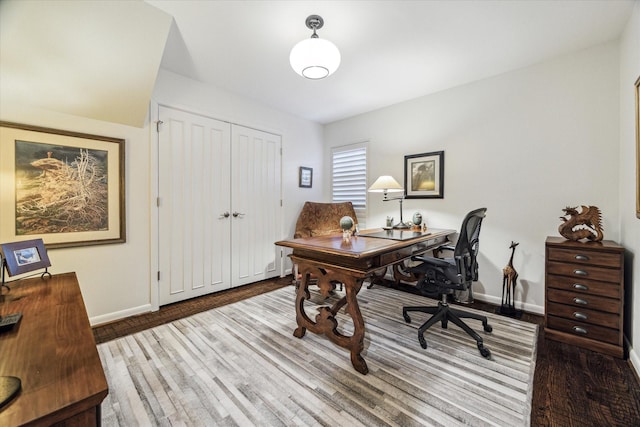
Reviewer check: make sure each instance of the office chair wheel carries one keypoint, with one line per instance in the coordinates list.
(488, 328)
(485, 352)
(423, 342)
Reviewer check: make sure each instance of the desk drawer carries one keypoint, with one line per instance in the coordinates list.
(396, 256)
(584, 271)
(577, 256)
(592, 302)
(592, 287)
(585, 315)
(584, 330)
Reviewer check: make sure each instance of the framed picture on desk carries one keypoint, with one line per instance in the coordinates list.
(25, 256)
(424, 175)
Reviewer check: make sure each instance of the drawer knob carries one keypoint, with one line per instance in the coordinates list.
(580, 273)
(579, 330)
(582, 258)
(580, 301)
(580, 287)
(580, 316)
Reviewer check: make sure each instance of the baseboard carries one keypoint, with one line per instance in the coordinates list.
(529, 308)
(112, 317)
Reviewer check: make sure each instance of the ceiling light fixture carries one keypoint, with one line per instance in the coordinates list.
(314, 58)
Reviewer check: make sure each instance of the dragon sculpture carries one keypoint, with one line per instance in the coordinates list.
(586, 224)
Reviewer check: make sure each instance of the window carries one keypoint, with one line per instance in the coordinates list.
(349, 177)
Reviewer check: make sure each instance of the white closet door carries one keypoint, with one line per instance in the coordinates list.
(194, 194)
(256, 205)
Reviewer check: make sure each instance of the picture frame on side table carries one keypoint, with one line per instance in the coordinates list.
(67, 188)
(25, 256)
(424, 175)
(305, 177)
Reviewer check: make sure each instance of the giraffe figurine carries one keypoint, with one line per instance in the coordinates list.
(509, 278)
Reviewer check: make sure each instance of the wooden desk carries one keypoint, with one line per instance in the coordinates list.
(332, 259)
(53, 352)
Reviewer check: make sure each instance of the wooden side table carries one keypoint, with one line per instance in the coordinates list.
(584, 294)
(53, 352)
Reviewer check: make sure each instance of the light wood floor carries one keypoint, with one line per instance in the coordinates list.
(572, 386)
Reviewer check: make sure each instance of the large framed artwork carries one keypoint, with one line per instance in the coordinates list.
(637, 85)
(64, 187)
(424, 175)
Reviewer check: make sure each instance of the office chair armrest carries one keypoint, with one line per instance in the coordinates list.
(437, 262)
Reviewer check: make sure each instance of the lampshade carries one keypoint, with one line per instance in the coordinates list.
(314, 58)
(384, 184)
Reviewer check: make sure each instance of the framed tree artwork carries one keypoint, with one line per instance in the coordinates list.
(64, 187)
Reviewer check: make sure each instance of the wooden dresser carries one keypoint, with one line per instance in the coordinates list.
(53, 352)
(584, 288)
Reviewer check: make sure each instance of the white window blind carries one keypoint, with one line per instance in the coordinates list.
(349, 178)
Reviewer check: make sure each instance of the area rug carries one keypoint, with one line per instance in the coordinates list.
(240, 365)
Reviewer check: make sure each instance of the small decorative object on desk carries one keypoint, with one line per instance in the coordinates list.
(389, 221)
(417, 218)
(509, 281)
(586, 224)
(346, 223)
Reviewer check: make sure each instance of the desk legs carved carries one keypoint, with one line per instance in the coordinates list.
(325, 321)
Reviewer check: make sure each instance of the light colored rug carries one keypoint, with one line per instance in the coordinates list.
(240, 365)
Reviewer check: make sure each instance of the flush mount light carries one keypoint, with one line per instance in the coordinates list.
(314, 58)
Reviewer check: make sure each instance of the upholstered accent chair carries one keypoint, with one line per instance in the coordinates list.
(320, 219)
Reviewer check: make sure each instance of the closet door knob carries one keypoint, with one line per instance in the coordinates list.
(224, 215)
(237, 214)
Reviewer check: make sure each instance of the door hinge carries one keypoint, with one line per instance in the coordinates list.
(280, 202)
(157, 201)
(158, 275)
(158, 123)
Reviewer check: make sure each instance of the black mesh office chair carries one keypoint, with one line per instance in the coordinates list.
(446, 275)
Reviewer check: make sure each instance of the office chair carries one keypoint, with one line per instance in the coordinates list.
(446, 275)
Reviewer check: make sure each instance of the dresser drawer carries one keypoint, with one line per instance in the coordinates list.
(584, 330)
(592, 302)
(592, 287)
(603, 259)
(585, 315)
(584, 271)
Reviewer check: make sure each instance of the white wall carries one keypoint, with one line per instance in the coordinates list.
(523, 144)
(629, 224)
(113, 278)
(117, 280)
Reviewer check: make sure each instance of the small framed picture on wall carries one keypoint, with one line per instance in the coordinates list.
(306, 177)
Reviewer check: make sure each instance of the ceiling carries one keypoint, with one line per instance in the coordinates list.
(391, 51)
(100, 59)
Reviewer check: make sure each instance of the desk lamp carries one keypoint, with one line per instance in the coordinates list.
(386, 184)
